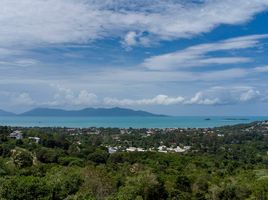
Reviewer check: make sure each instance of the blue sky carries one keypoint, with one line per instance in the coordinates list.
(178, 57)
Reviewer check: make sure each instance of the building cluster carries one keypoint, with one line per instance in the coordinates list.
(261, 127)
(146, 132)
(161, 149)
(177, 149)
(18, 135)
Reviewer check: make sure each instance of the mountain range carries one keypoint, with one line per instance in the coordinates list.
(87, 112)
(4, 113)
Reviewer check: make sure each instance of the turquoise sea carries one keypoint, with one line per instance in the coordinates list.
(126, 122)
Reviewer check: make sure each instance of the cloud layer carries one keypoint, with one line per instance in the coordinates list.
(198, 55)
(49, 22)
(80, 53)
(211, 96)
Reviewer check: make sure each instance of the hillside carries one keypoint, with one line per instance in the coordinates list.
(5, 113)
(89, 112)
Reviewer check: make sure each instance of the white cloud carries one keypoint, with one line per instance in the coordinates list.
(141, 76)
(122, 77)
(212, 96)
(227, 74)
(265, 97)
(223, 60)
(62, 97)
(19, 62)
(66, 96)
(86, 98)
(25, 62)
(198, 55)
(225, 96)
(23, 99)
(201, 99)
(131, 38)
(261, 69)
(158, 100)
(4, 52)
(45, 22)
(82, 98)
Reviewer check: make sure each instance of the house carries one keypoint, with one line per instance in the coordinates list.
(179, 149)
(124, 131)
(150, 132)
(131, 149)
(35, 139)
(16, 135)
(94, 132)
(140, 150)
(187, 148)
(162, 149)
(112, 150)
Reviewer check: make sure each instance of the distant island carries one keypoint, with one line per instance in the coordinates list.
(5, 113)
(233, 119)
(87, 112)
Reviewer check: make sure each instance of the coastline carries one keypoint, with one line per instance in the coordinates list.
(199, 122)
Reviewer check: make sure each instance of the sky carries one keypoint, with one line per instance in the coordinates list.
(176, 57)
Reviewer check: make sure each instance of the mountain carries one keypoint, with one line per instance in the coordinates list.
(89, 112)
(5, 113)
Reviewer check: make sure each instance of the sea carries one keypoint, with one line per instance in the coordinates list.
(126, 122)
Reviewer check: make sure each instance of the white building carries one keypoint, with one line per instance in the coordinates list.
(35, 139)
(133, 149)
(112, 150)
(162, 149)
(16, 135)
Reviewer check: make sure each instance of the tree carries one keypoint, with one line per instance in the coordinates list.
(46, 155)
(22, 158)
(233, 192)
(143, 185)
(183, 183)
(99, 156)
(63, 182)
(22, 187)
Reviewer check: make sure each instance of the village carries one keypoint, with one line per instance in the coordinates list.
(18, 135)
(220, 152)
(141, 140)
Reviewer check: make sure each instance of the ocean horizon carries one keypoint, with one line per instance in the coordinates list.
(126, 122)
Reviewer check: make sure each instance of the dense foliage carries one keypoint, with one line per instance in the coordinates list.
(75, 164)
